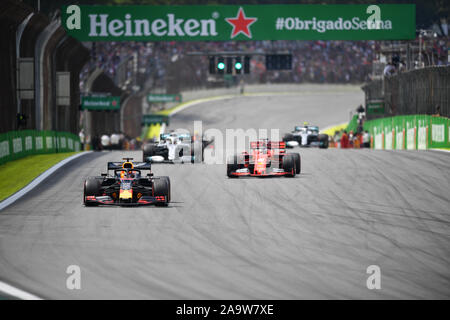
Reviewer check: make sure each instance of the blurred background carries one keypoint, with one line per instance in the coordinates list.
(32, 33)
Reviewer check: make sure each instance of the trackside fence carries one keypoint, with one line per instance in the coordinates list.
(419, 91)
(18, 144)
(411, 132)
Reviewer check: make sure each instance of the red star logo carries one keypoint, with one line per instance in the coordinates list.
(241, 24)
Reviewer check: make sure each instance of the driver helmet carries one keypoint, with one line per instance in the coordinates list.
(171, 140)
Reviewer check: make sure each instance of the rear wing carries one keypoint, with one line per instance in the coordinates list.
(181, 136)
(268, 144)
(258, 144)
(136, 165)
(276, 145)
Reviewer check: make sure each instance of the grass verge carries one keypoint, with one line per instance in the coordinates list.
(17, 174)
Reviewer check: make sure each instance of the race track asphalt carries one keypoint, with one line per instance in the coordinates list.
(309, 237)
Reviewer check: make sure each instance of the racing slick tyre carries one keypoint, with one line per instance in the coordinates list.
(167, 179)
(149, 150)
(161, 187)
(196, 152)
(297, 162)
(323, 139)
(232, 166)
(289, 165)
(288, 137)
(91, 188)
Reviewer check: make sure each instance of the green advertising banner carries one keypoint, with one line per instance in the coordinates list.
(375, 107)
(100, 103)
(157, 97)
(439, 132)
(377, 134)
(388, 134)
(410, 132)
(18, 144)
(148, 119)
(422, 131)
(400, 133)
(246, 22)
(410, 129)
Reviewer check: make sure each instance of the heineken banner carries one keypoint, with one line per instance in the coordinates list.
(247, 22)
(160, 97)
(100, 103)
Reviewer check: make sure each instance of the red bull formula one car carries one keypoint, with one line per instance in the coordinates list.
(127, 186)
(266, 159)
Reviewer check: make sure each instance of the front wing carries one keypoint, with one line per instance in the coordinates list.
(271, 173)
(157, 159)
(107, 200)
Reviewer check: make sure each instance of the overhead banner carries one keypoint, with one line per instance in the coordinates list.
(247, 22)
(160, 97)
(148, 119)
(375, 107)
(100, 103)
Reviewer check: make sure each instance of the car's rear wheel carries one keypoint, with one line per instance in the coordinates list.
(289, 165)
(161, 187)
(323, 141)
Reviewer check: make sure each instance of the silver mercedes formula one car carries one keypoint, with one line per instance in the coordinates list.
(175, 147)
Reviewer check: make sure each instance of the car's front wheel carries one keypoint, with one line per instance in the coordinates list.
(297, 162)
(161, 187)
(289, 165)
(233, 164)
(91, 188)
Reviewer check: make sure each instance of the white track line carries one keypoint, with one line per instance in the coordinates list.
(16, 293)
(16, 196)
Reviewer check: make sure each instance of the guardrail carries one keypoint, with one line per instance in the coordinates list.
(411, 132)
(18, 144)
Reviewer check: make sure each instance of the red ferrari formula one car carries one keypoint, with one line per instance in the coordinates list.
(127, 187)
(266, 159)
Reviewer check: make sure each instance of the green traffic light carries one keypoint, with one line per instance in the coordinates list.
(221, 65)
(238, 66)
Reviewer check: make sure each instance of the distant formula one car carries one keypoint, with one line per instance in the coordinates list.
(306, 136)
(175, 148)
(267, 158)
(127, 187)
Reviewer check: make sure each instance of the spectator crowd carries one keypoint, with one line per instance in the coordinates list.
(313, 61)
(350, 140)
